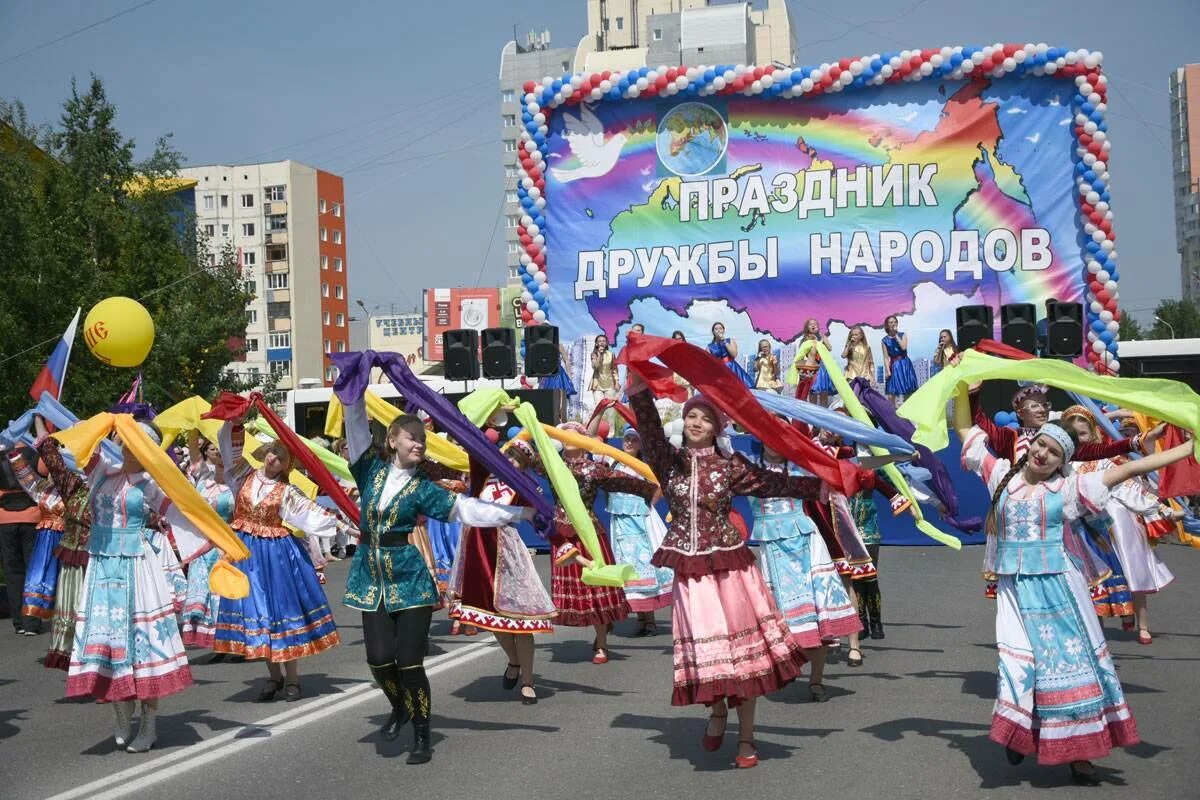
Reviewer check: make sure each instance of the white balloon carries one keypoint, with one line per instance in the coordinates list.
(526, 296)
(1089, 228)
(1106, 316)
(676, 440)
(1114, 365)
(1110, 286)
(1094, 267)
(531, 306)
(526, 260)
(540, 202)
(530, 228)
(547, 81)
(539, 240)
(1103, 277)
(535, 193)
(1093, 198)
(1050, 68)
(806, 85)
(1009, 64)
(539, 277)
(1107, 245)
(532, 268)
(1098, 346)
(1114, 326)
(527, 182)
(1096, 306)
(539, 316)
(1089, 128)
(718, 83)
(642, 83)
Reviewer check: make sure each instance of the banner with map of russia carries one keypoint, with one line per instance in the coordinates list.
(907, 199)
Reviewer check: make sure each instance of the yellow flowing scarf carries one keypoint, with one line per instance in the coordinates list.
(436, 448)
(83, 439)
(856, 410)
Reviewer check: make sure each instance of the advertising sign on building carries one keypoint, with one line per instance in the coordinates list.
(449, 309)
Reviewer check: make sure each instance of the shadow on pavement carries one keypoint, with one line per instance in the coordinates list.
(314, 685)
(974, 682)
(487, 689)
(403, 743)
(174, 730)
(7, 729)
(682, 736)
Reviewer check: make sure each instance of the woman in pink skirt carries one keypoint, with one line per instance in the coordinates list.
(731, 643)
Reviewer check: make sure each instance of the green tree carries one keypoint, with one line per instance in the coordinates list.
(1130, 329)
(81, 220)
(1176, 319)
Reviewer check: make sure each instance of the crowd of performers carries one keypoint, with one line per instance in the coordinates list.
(132, 557)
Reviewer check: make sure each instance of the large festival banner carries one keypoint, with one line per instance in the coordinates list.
(760, 198)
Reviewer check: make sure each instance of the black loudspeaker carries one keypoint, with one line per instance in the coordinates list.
(499, 353)
(973, 323)
(541, 351)
(1018, 326)
(1064, 330)
(460, 354)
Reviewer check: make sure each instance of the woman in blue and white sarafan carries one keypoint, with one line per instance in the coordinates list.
(286, 616)
(636, 531)
(1058, 691)
(199, 616)
(805, 583)
(726, 350)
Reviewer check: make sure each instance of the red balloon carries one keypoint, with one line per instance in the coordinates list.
(672, 74)
(844, 63)
(529, 86)
(826, 82)
(1085, 138)
(540, 183)
(492, 435)
(603, 429)
(738, 85)
(661, 82)
(835, 72)
(1102, 296)
(540, 259)
(1096, 217)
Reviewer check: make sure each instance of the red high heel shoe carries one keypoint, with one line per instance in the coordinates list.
(747, 762)
(713, 743)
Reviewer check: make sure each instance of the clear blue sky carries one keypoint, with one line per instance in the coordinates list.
(240, 81)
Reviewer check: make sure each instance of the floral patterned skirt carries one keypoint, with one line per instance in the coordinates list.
(1058, 694)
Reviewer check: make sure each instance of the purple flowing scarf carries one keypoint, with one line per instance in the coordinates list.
(884, 412)
(355, 375)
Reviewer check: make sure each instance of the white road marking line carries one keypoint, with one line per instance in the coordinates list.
(135, 779)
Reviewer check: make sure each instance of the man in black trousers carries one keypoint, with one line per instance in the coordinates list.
(18, 528)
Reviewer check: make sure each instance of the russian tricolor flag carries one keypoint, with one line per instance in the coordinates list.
(54, 373)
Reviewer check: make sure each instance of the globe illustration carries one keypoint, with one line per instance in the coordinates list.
(691, 139)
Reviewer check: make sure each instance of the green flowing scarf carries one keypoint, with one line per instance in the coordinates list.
(478, 407)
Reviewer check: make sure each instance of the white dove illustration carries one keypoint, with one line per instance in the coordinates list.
(585, 136)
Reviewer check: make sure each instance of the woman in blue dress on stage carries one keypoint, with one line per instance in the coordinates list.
(727, 351)
(900, 379)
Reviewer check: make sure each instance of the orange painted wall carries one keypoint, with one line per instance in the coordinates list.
(331, 190)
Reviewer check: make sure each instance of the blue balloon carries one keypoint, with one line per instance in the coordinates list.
(537, 137)
(709, 74)
(1089, 175)
(1098, 326)
(515, 430)
(877, 63)
(558, 84)
(1092, 247)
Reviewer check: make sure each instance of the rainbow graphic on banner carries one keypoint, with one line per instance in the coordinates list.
(999, 151)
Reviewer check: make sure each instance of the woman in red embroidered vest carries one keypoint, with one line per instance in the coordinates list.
(286, 616)
(731, 643)
(578, 603)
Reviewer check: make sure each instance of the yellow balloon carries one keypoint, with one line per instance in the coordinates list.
(119, 332)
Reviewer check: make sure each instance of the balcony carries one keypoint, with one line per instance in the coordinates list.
(279, 295)
(275, 207)
(276, 237)
(279, 324)
(277, 266)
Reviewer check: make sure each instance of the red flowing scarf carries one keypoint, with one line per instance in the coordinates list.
(616, 405)
(723, 389)
(231, 406)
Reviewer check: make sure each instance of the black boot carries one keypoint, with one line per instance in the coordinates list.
(860, 605)
(388, 678)
(874, 603)
(416, 686)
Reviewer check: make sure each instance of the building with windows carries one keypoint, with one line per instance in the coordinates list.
(1185, 160)
(519, 63)
(286, 224)
(621, 35)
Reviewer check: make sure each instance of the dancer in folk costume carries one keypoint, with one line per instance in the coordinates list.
(806, 586)
(495, 586)
(41, 573)
(389, 581)
(286, 616)
(1132, 508)
(127, 646)
(200, 603)
(731, 643)
(1032, 406)
(579, 604)
(71, 552)
(1059, 694)
(636, 531)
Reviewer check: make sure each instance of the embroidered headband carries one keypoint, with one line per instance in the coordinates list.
(1026, 392)
(1079, 412)
(1060, 435)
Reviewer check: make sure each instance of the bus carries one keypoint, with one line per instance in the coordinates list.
(1177, 359)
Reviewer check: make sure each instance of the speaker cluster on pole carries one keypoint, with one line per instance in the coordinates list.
(465, 356)
(1063, 336)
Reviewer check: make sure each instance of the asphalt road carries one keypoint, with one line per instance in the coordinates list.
(912, 722)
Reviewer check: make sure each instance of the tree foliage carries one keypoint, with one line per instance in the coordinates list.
(1182, 316)
(74, 230)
